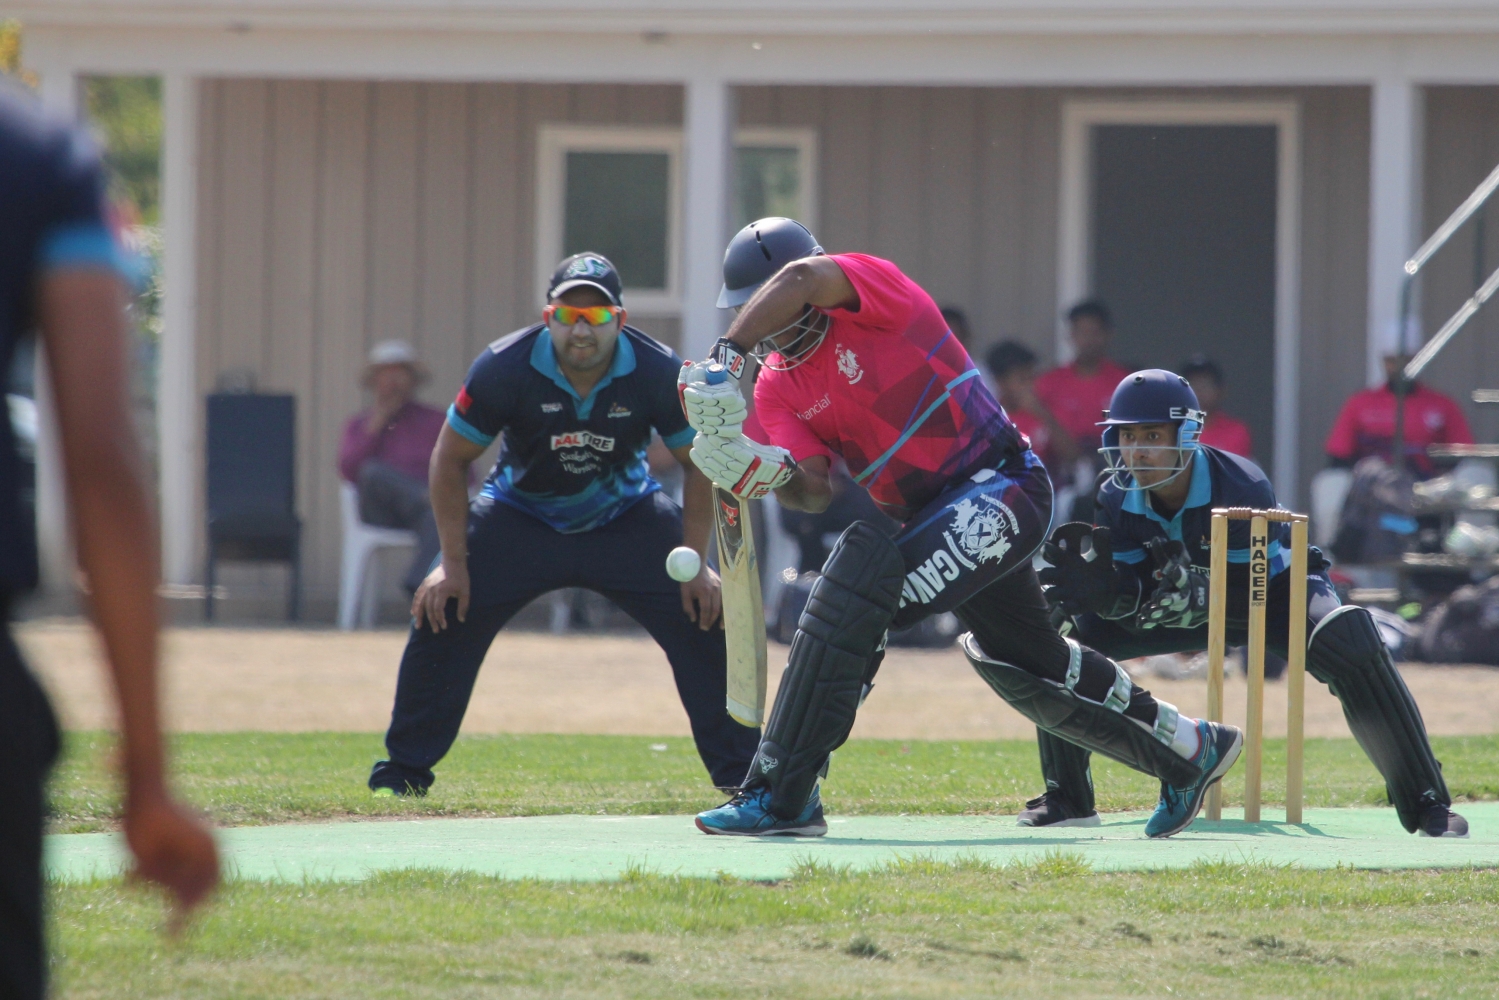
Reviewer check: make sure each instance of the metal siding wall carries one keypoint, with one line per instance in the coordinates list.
(1462, 147)
(333, 215)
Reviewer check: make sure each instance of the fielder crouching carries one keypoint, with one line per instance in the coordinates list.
(570, 503)
(859, 363)
(1154, 524)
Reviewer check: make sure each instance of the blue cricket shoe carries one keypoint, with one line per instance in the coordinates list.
(748, 814)
(1178, 806)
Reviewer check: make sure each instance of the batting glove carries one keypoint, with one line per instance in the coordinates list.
(716, 410)
(745, 468)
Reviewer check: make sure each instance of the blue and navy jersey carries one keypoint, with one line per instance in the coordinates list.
(1219, 479)
(52, 218)
(573, 462)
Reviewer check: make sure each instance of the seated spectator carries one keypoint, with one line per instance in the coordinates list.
(1078, 393)
(386, 448)
(1366, 424)
(1221, 431)
(1012, 366)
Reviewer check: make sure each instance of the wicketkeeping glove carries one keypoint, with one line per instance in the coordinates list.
(717, 410)
(1181, 597)
(1081, 583)
(745, 468)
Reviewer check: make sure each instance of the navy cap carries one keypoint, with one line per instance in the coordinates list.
(587, 269)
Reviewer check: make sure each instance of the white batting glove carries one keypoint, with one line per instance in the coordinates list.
(717, 410)
(745, 468)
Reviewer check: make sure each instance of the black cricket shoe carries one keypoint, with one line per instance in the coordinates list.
(390, 779)
(1438, 820)
(1052, 808)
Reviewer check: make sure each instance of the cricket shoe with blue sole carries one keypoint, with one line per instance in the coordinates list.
(748, 814)
(1179, 806)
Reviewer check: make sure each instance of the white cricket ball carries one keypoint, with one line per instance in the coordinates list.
(683, 564)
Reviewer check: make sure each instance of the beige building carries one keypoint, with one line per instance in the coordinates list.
(1236, 177)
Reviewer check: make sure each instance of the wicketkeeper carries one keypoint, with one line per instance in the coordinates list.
(1137, 585)
(859, 363)
(569, 503)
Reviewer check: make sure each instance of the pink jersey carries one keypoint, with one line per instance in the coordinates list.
(892, 392)
(1078, 401)
(1228, 434)
(1366, 425)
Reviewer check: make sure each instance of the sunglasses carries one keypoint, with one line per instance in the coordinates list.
(571, 315)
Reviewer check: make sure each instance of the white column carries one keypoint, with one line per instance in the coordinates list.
(708, 138)
(1394, 209)
(176, 385)
(59, 93)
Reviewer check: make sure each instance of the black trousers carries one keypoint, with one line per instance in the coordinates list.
(29, 742)
(392, 499)
(513, 559)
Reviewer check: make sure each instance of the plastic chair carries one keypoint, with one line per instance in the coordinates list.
(357, 592)
(251, 488)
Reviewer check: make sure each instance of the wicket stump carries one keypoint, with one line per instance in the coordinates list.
(1259, 587)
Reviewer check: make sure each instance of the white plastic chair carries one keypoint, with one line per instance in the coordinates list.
(357, 592)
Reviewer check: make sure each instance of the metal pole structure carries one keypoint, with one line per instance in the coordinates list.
(1435, 242)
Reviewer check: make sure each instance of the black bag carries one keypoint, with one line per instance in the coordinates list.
(1378, 522)
(1464, 628)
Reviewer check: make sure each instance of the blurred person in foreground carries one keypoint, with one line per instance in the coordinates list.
(1366, 424)
(386, 449)
(1221, 431)
(1012, 367)
(1077, 392)
(61, 273)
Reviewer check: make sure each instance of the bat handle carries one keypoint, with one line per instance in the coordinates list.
(717, 374)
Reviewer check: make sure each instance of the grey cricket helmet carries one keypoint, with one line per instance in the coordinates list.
(757, 252)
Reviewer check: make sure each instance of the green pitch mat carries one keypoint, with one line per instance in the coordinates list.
(605, 847)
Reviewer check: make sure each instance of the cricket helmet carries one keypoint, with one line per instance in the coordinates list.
(1152, 396)
(757, 252)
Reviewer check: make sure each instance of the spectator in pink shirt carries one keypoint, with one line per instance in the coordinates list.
(1221, 430)
(386, 448)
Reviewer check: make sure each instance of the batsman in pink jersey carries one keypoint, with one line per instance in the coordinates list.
(859, 364)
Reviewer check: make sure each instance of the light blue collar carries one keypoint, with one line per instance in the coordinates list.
(544, 360)
(1199, 494)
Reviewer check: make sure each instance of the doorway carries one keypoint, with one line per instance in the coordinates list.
(1179, 223)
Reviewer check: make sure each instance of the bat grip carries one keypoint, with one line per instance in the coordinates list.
(717, 374)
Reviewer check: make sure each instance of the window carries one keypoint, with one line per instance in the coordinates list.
(775, 174)
(615, 191)
(618, 191)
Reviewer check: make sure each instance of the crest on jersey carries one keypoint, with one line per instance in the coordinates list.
(848, 365)
(984, 529)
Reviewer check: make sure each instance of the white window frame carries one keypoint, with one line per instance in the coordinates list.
(1074, 261)
(805, 142)
(553, 143)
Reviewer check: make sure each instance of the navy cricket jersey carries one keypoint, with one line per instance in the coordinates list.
(52, 218)
(573, 462)
(1219, 479)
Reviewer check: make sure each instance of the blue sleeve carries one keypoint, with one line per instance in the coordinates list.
(75, 234)
(483, 405)
(666, 408)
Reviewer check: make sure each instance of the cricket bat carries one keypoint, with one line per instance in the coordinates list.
(743, 608)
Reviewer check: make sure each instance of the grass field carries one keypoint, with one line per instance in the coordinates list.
(253, 778)
(914, 929)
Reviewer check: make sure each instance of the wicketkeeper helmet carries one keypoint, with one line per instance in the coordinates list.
(1152, 396)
